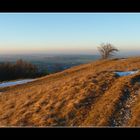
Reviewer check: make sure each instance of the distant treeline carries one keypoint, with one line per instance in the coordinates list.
(19, 69)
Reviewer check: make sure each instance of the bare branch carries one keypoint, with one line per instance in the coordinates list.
(107, 50)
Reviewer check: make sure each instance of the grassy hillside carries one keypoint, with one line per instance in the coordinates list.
(86, 95)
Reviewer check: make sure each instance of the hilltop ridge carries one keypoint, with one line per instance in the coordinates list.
(86, 95)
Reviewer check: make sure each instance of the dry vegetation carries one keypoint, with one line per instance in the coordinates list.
(85, 95)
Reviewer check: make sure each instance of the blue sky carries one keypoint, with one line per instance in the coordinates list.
(68, 32)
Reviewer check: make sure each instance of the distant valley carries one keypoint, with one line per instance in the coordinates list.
(51, 63)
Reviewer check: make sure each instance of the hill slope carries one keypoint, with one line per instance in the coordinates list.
(86, 95)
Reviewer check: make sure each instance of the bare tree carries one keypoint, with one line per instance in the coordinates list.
(107, 50)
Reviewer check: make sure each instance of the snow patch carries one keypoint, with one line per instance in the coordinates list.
(126, 73)
(12, 83)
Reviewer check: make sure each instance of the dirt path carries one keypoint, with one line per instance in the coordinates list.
(123, 113)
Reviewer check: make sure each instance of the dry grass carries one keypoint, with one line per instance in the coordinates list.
(85, 95)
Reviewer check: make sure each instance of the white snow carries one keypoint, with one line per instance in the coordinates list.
(126, 73)
(18, 82)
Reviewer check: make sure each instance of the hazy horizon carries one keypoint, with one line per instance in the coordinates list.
(68, 33)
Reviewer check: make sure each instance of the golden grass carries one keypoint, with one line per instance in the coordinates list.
(85, 95)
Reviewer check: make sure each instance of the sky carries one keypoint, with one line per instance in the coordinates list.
(68, 33)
